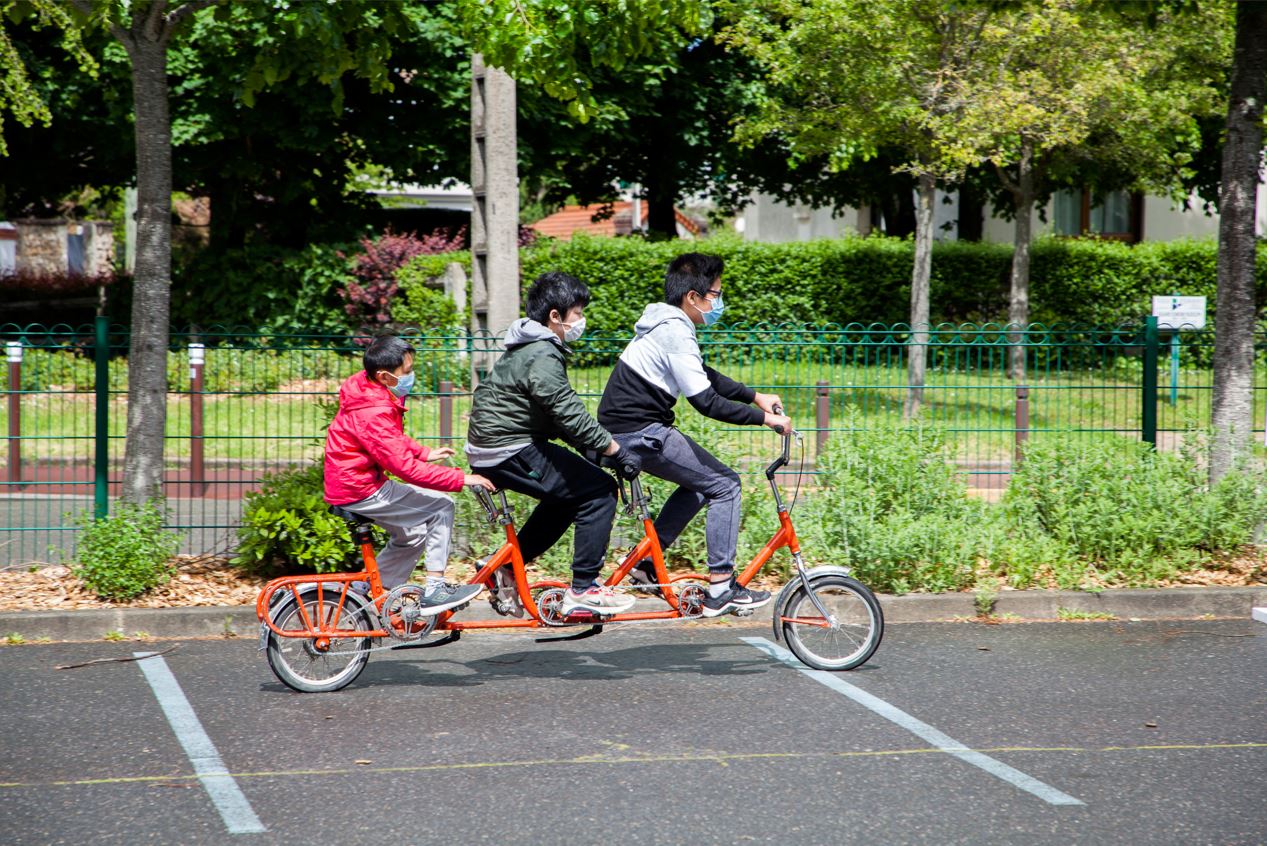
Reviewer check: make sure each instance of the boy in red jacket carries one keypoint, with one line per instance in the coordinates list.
(367, 440)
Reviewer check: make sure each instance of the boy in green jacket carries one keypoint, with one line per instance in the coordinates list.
(517, 410)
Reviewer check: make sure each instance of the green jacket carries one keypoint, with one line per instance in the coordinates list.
(528, 397)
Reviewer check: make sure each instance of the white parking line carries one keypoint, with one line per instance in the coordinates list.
(1259, 614)
(919, 728)
(220, 786)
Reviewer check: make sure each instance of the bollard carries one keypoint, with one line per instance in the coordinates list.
(822, 415)
(101, 413)
(197, 435)
(14, 350)
(1022, 420)
(446, 412)
(1148, 394)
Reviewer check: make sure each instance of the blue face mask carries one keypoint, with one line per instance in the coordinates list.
(403, 386)
(711, 317)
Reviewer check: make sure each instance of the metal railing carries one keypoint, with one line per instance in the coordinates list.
(243, 404)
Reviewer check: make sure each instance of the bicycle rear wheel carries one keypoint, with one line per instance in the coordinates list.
(313, 665)
(847, 637)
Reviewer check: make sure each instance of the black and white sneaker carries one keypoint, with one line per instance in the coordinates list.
(445, 597)
(736, 598)
(643, 579)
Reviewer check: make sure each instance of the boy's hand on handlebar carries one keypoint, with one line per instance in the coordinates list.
(478, 481)
(769, 403)
(780, 423)
(440, 454)
(627, 464)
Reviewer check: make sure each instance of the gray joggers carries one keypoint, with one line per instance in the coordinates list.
(419, 522)
(702, 479)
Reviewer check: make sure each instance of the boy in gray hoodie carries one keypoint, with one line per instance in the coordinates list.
(517, 410)
(662, 363)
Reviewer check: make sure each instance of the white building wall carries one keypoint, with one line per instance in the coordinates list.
(769, 220)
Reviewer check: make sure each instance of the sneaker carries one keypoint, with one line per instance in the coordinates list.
(504, 597)
(599, 599)
(447, 596)
(733, 599)
(643, 579)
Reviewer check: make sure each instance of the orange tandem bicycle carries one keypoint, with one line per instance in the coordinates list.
(318, 631)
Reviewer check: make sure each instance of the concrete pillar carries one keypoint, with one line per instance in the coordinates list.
(495, 212)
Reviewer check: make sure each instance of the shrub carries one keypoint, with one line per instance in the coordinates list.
(867, 280)
(287, 528)
(889, 505)
(369, 298)
(123, 555)
(1130, 514)
(261, 286)
(421, 305)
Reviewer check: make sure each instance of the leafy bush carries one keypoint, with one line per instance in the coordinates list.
(867, 280)
(263, 287)
(287, 528)
(369, 298)
(123, 555)
(418, 303)
(889, 505)
(1131, 514)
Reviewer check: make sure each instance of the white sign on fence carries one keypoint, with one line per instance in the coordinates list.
(1174, 313)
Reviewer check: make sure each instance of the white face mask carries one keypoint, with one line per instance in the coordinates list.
(573, 331)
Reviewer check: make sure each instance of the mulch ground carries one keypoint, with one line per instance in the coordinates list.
(210, 580)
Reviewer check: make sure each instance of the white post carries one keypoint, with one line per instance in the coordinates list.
(495, 189)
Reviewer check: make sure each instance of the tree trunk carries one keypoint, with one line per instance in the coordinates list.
(898, 209)
(1018, 302)
(151, 297)
(917, 347)
(661, 195)
(1233, 408)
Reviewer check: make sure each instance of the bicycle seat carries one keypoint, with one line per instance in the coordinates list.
(339, 511)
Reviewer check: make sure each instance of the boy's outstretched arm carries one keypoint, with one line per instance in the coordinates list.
(550, 388)
(404, 457)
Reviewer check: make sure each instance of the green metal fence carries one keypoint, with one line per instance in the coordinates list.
(242, 404)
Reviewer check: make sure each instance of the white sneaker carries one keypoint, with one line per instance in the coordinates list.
(599, 599)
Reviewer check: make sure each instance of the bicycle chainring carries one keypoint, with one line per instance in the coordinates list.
(691, 602)
(550, 606)
(401, 614)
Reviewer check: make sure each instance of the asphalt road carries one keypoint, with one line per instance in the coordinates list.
(655, 735)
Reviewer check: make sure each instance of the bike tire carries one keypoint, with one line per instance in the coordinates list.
(299, 663)
(846, 646)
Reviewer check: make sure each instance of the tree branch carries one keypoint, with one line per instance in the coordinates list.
(177, 15)
(153, 26)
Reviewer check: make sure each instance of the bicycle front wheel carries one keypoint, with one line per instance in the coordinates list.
(319, 665)
(846, 637)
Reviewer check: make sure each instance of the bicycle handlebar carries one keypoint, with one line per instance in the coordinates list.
(782, 461)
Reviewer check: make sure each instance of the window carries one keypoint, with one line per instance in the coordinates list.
(1116, 216)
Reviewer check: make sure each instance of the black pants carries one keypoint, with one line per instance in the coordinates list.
(571, 490)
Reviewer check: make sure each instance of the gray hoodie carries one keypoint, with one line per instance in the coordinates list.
(662, 363)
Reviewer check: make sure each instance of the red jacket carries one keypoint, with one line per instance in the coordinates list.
(367, 437)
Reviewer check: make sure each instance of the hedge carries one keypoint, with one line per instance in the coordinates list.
(856, 280)
(848, 280)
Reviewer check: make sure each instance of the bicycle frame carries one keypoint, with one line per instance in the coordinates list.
(637, 502)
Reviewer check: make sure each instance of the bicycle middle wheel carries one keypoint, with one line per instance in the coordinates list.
(312, 666)
(849, 635)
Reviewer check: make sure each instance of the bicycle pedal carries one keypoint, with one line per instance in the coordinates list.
(744, 612)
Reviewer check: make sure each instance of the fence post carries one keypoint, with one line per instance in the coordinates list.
(1022, 420)
(822, 415)
(101, 385)
(446, 412)
(1148, 413)
(197, 460)
(14, 350)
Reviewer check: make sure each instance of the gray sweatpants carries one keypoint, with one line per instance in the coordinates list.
(417, 520)
(702, 479)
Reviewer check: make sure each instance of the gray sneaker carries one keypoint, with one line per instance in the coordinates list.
(736, 598)
(447, 596)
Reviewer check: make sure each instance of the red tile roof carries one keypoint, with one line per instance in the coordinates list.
(569, 219)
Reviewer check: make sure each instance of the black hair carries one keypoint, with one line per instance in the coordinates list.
(386, 352)
(691, 272)
(555, 290)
